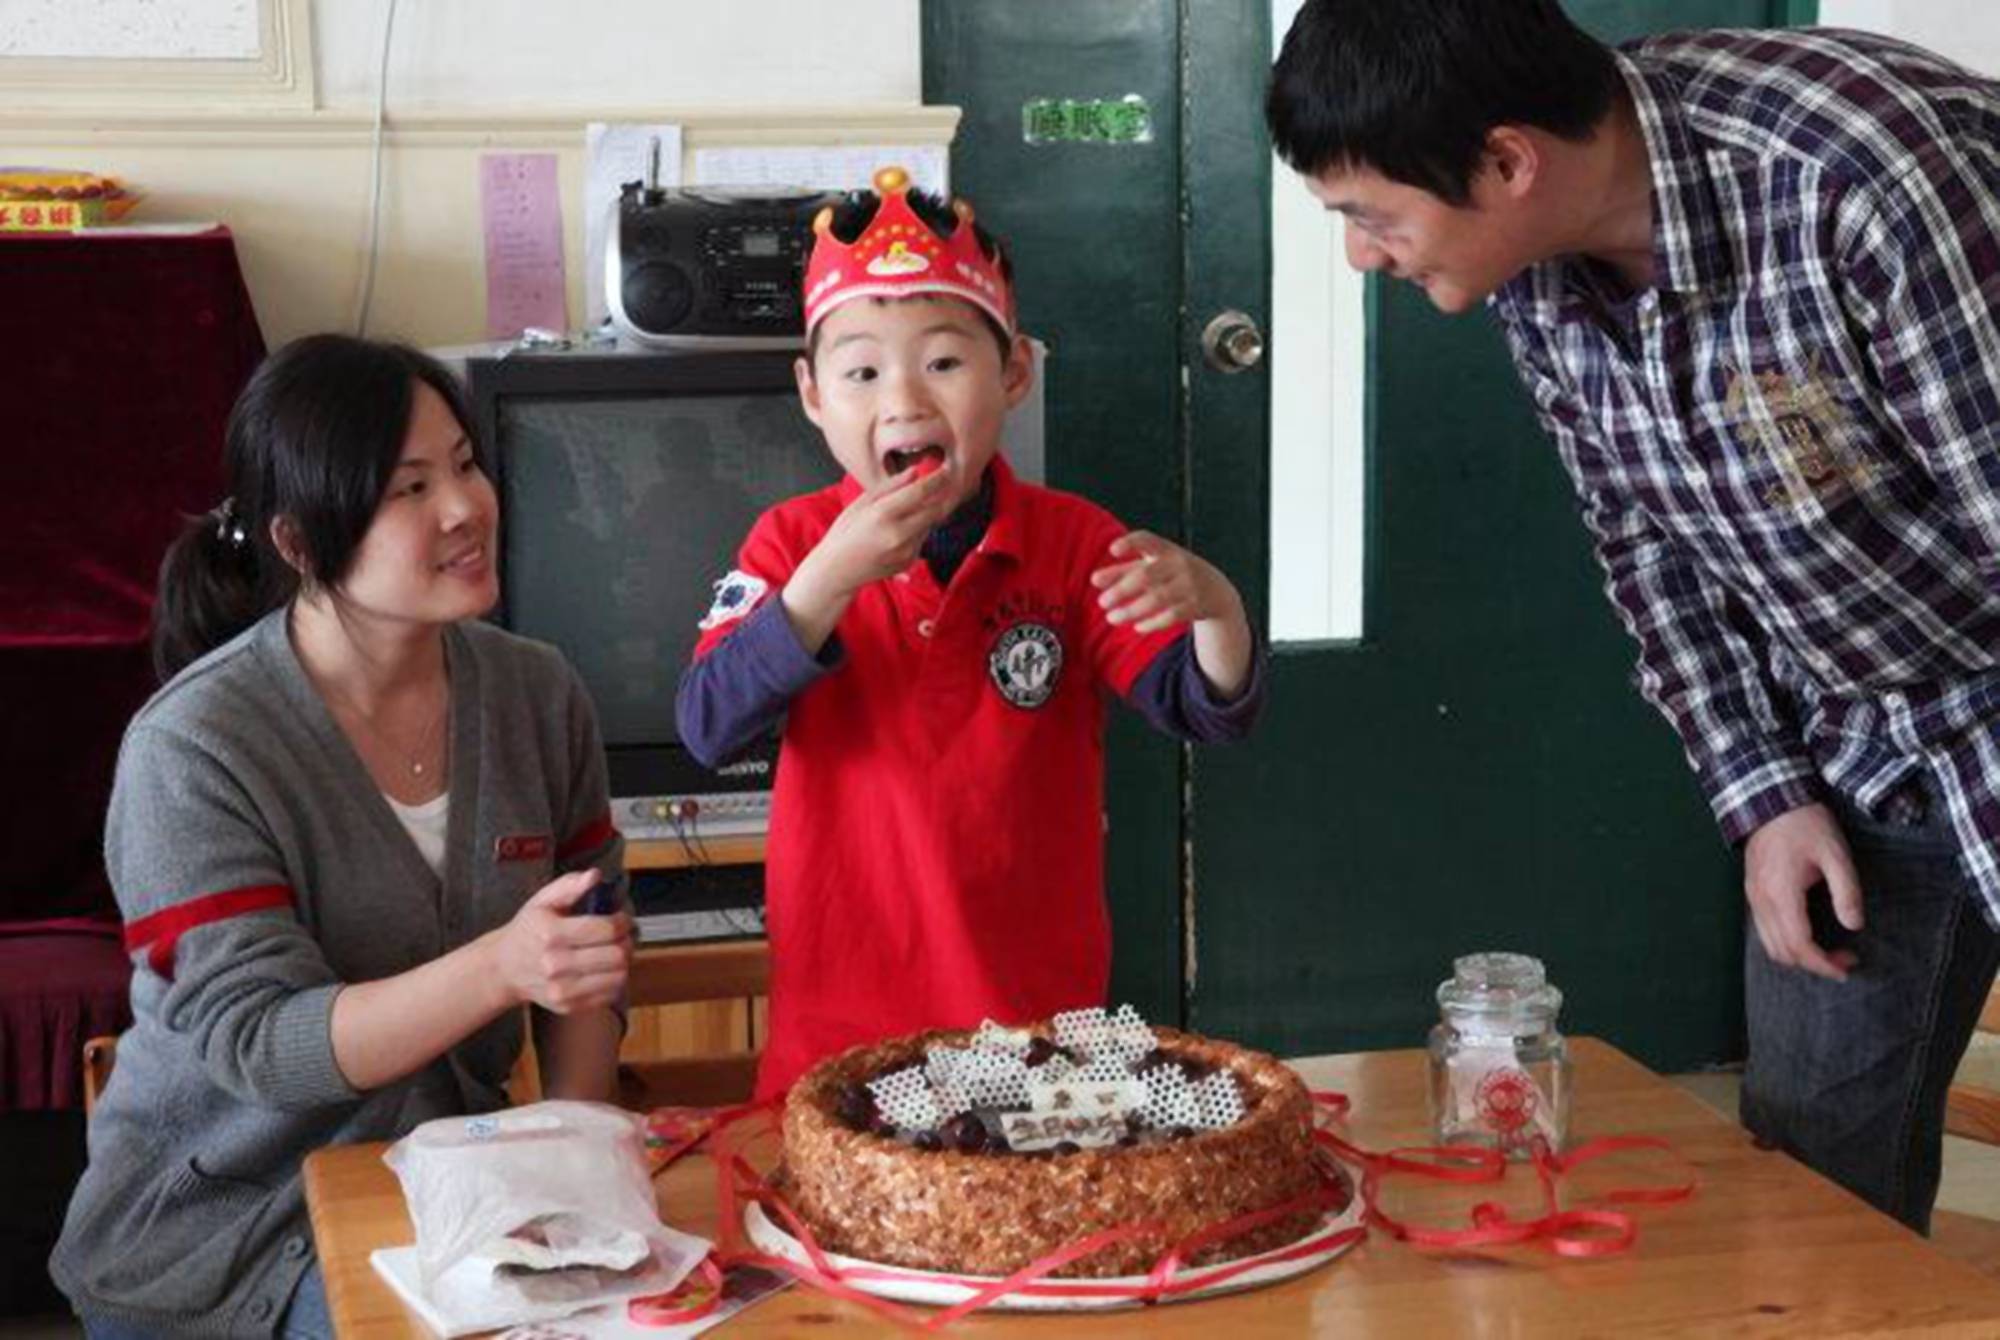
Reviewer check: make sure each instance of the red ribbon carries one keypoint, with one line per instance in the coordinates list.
(1575, 1233)
(694, 1298)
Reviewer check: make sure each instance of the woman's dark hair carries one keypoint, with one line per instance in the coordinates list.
(857, 209)
(314, 437)
(1412, 88)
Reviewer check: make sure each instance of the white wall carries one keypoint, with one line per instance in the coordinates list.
(614, 53)
(1318, 374)
(1968, 31)
(468, 77)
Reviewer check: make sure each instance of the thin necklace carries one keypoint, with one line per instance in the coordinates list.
(415, 761)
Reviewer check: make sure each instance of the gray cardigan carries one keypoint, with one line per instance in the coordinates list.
(258, 868)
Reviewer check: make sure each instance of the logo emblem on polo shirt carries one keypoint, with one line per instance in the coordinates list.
(735, 596)
(1025, 664)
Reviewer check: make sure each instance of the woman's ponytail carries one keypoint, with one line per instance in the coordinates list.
(218, 578)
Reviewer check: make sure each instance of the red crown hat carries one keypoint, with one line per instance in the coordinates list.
(898, 256)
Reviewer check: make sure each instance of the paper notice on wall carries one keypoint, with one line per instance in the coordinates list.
(616, 154)
(842, 167)
(522, 214)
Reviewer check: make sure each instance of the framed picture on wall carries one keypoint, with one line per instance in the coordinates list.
(157, 53)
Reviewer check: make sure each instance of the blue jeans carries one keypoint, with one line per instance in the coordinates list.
(305, 1316)
(1850, 1077)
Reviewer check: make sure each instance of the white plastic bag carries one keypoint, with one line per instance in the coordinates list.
(534, 1212)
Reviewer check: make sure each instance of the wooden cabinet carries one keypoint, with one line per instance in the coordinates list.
(698, 1010)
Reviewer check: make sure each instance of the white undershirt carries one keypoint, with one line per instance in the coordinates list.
(425, 824)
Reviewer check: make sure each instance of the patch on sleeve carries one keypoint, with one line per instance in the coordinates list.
(735, 596)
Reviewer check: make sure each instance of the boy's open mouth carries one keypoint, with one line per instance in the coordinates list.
(899, 459)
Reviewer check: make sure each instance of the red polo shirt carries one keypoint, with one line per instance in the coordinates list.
(936, 853)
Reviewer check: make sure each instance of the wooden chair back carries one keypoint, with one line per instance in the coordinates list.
(732, 970)
(1973, 1110)
(99, 1055)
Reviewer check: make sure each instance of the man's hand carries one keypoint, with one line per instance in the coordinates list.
(877, 535)
(1782, 861)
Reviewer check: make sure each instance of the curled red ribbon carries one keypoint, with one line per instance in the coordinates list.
(1574, 1233)
(694, 1298)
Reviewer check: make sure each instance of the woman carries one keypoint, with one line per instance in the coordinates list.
(345, 837)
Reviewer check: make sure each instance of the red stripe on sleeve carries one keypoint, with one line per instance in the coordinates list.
(593, 834)
(156, 934)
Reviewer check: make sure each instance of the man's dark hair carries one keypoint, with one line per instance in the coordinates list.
(857, 209)
(1412, 88)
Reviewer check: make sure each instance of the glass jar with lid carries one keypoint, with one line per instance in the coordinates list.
(1499, 1069)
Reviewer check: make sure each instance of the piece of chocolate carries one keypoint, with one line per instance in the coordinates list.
(855, 1105)
(966, 1133)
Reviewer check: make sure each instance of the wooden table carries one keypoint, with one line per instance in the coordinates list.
(1765, 1248)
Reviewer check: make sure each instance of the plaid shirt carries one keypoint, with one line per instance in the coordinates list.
(1788, 450)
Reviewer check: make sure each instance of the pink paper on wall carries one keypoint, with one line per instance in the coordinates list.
(522, 213)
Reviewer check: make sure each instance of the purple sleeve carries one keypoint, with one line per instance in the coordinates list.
(1177, 698)
(734, 696)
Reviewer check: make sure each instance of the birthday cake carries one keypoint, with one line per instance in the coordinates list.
(982, 1152)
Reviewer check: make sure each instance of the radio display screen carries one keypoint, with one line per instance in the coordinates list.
(760, 244)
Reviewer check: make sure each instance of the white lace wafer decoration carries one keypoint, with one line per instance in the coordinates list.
(992, 1037)
(1170, 1100)
(1083, 1031)
(941, 1067)
(992, 1079)
(1218, 1102)
(905, 1099)
(1102, 1070)
(1055, 1069)
(941, 1063)
(1128, 1036)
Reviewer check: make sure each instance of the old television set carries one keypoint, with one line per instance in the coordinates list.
(627, 482)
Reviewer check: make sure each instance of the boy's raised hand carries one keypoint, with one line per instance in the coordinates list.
(1159, 584)
(876, 536)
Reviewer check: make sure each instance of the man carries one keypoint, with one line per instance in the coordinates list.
(1750, 281)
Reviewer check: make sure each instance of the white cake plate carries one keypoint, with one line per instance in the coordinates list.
(1067, 1294)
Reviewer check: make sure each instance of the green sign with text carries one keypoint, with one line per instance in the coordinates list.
(1126, 120)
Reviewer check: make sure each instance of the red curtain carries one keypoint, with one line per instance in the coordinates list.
(119, 360)
(120, 357)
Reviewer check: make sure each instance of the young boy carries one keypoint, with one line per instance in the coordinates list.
(935, 634)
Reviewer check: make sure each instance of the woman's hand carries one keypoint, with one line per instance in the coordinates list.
(548, 957)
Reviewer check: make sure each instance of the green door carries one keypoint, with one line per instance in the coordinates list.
(1477, 772)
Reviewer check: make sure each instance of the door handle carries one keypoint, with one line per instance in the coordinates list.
(1232, 343)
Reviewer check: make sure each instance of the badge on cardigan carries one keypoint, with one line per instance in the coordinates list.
(1026, 661)
(522, 847)
(735, 596)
